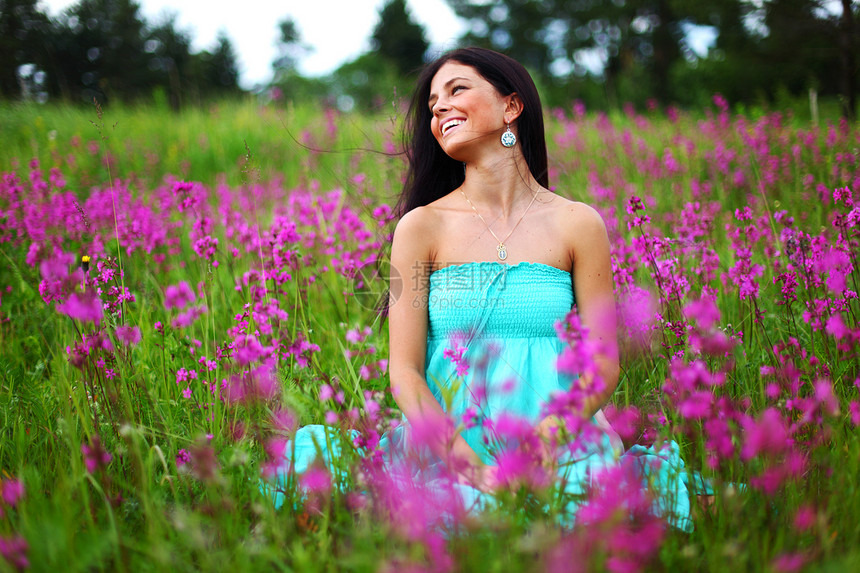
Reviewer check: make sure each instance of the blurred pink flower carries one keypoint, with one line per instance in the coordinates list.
(355, 336)
(836, 327)
(203, 461)
(854, 408)
(96, 457)
(14, 551)
(703, 312)
(86, 307)
(636, 314)
(789, 563)
(12, 491)
(187, 318)
(316, 479)
(178, 296)
(768, 435)
(825, 397)
(805, 517)
(128, 335)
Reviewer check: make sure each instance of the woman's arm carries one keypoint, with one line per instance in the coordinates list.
(594, 293)
(407, 334)
(585, 233)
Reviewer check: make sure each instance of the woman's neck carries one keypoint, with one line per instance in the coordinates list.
(498, 185)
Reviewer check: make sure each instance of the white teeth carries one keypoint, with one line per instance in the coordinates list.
(449, 124)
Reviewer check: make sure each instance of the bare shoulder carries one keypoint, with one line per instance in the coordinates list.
(417, 223)
(581, 228)
(578, 218)
(414, 234)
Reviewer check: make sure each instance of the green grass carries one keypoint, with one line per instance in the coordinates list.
(146, 512)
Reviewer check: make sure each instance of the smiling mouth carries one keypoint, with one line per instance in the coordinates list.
(451, 123)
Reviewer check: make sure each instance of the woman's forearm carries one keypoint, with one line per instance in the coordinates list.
(594, 400)
(420, 407)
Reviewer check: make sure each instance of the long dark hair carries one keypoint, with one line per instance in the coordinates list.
(431, 172)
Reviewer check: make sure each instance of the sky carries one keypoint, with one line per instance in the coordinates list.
(336, 30)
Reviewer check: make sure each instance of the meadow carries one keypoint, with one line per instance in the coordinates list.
(180, 293)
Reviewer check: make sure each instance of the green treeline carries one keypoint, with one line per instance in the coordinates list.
(762, 50)
(603, 52)
(104, 49)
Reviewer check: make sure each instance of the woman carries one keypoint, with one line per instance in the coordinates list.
(476, 205)
(486, 260)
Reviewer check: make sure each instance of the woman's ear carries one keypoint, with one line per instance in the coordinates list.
(513, 107)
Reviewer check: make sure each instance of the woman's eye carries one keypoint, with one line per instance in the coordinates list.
(457, 88)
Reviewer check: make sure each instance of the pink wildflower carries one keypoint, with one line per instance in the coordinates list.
(789, 563)
(456, 356)
(128, 335)
(767, 436)
(355, 336)
(12, 491)
(14, 551)
(187, 318)
(178, 296)
(95, 456)
(704, 312)
(204, 463)
(188, 194)
(805, 517)
(836, 327)
(824, 396)
(854, 408)
(85, 307)
(316, 479)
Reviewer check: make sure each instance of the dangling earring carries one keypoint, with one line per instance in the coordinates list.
(508, 137)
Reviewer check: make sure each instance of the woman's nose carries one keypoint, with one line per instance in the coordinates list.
(441, 106)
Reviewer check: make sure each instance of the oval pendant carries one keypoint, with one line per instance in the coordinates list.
(503, 253)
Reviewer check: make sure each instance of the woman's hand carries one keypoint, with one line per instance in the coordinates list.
(482, 477)
(548, 432)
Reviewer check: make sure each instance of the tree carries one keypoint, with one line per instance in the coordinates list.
(223, 71)
(398, 38)
(799, 46)
(290, 49)
(97, 50)
(848, 46)
(734, 65)
(214, 72)
(557, 37)
(526, 30)
(369, 82)
(22, 34)
(763, 48)
(288, 83)
(170, 62)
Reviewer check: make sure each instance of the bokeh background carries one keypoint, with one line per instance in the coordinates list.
(360, 54)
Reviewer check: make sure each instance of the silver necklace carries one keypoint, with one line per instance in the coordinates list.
(503, 251)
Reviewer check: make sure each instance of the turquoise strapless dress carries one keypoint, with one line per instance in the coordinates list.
(503, 317)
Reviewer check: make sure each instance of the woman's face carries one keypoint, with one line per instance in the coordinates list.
(467, 111)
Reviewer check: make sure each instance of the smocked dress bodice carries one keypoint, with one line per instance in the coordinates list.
(505, 317)
(497, 300)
